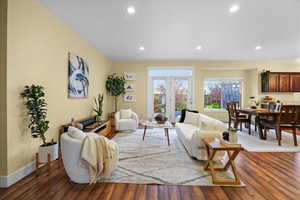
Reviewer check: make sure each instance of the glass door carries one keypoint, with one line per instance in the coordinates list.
(169, 95)
(159, 95)
(182, 96)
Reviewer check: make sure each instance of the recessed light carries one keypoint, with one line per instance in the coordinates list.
(198, 47)
(258, 47)
(141, 48)
(234, 8)
(131, 10)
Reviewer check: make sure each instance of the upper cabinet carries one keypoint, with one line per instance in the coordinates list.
(273, 82)
(295, 82)
(280, 82)
(284, 83)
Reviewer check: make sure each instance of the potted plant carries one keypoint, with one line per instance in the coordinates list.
(115, 85)
(35, 103)
(264, 80)
(98, 107)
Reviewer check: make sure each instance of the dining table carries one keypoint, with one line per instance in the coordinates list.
(260, 114)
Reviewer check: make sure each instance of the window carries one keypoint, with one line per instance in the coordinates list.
(218, 92)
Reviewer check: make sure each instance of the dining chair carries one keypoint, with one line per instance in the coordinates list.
(285, 120)
(235, 117)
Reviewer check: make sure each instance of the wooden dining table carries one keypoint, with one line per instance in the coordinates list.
(260, 113)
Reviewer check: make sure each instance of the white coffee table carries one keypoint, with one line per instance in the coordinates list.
(166, 126)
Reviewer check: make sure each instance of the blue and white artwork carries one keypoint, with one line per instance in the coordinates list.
(78, 77)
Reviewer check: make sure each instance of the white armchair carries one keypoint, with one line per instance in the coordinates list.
(131, 123)
(71, 155)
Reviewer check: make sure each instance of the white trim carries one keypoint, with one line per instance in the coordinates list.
(221, 110)
(6, 181)
(171, 68)
(224, 79)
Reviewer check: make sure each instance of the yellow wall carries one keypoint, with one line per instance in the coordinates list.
(247, 70)
(3, 135)
(38, 46)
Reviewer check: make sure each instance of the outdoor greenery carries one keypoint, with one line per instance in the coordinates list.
(115, 85)
(98, 107)
(213, 106)
(35, 103)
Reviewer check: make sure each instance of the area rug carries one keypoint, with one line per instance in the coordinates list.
(253, 143)
(152, 161)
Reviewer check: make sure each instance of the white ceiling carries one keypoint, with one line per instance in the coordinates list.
(171, 29)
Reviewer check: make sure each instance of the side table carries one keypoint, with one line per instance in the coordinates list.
(213, 145)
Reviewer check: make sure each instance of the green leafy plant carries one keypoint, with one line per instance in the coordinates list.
(98, 107)
(264, 80)
(115, 85)
(35, 103)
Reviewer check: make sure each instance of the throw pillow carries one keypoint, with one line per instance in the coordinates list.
(125, 113)
(182, 116)
(191, 118)
(76, 133)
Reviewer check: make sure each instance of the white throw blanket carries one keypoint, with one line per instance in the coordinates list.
(100, 155)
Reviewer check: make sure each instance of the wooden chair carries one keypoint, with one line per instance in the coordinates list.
(286, 120)
(236, 118)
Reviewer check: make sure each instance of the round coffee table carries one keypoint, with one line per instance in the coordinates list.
(166, 126)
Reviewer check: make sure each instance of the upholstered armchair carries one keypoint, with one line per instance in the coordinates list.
(128, 123)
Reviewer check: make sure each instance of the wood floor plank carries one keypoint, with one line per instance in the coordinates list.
(266, 175)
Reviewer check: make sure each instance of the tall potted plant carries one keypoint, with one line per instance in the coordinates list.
(99, 107)
(115, 85)
(36, 105)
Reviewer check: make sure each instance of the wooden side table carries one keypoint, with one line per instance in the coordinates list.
(213, 145)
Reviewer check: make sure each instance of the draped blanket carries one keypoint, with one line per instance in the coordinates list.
(100, 155)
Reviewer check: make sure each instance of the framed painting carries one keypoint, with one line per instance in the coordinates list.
(129, 98)
(129, 76)
(78, 77)
(129, 87)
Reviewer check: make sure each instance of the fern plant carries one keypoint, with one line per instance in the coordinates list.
(98, 107)
(35, 103)
(115, 85)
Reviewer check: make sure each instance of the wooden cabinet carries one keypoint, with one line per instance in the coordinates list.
(282, 82)
(273, 82)
(295, 82)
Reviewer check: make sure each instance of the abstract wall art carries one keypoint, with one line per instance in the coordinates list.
(78, 77)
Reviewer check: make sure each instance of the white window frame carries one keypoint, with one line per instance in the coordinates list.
(222, 110)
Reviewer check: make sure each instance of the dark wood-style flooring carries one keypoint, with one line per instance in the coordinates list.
(267, 175)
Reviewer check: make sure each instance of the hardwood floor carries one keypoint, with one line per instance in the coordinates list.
(267, 176)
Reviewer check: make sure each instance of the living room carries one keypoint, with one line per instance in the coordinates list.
(38, 38)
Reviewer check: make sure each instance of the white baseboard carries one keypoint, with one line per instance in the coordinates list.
(6, 181)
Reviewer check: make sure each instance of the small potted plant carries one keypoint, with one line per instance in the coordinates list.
(98, 107)
(35, 103)
(115, 85)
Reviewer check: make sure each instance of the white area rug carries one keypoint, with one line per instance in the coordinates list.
(152, 161)
(253, 143)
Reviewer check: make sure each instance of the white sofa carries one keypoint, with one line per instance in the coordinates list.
(131, 123)
(191, 134)
(71, 151)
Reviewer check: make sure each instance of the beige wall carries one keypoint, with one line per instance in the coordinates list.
(3, 135)
(38, 46)
(249, 71)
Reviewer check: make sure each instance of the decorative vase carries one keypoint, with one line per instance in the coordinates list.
(160, 118)
(233, 135)
(99, 118)
(44, 150)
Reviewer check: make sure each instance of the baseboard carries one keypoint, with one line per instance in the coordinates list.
(6, 181)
